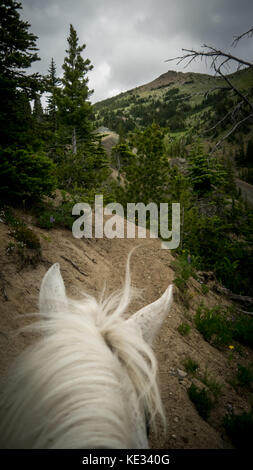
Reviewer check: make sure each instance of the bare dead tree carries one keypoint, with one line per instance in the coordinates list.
(248, 34)
(220, 62)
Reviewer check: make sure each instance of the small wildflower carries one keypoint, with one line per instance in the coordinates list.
(231, 347)
(52, 219)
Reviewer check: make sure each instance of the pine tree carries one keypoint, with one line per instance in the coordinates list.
(37, 109)
(17, 53)
(147, 173)
(74, 107)
(53, 82)
(205, 173)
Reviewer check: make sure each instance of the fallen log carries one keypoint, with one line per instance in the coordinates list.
(243, 299)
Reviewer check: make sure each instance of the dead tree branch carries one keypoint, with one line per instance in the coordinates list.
(231, 130)
(230, 113)
(242, 299)
(248, 34)
(235, 89)
(209, 52)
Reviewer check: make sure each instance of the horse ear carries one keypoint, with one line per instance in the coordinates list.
(52, 291)
(151, 317)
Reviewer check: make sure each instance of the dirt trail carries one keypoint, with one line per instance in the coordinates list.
(86, 265)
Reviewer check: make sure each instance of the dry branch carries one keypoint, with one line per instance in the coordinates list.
(243, 299)
(220, 59)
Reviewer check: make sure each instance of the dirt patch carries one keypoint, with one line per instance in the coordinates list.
(110, 140)
(86, 265)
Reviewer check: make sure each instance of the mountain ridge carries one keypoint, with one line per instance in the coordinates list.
(182, 102)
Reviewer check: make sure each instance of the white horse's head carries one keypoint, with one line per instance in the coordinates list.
(90, 381)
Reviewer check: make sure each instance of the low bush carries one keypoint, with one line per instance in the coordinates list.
(244, 376)
(218, 326)
(27, 237)
(239, 429)
(212, 384)
(201, 400)
(25, 175)
(184, 329)
(190, 366)
(242, 330)
(53, 217)
(27, 243)
(213, 325)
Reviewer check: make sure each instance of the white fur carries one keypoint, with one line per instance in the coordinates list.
(90, 378)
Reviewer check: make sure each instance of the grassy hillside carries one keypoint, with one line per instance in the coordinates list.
(187, 103)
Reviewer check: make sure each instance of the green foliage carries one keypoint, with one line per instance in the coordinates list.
(72, 99)
(25, 175)
(37, 109)
(183, 270)
(18, 52)
(53, 217)
(52, 83)
(239, 429)
(210, 239)
(122, 156)
(26, 236)
(27, 245)
(213, 325)
(212, 384)
(244, 376)
(219, 328)
(184, 329)
(146, 174)
(201, 400)
(86, 169)
(190, 366)
(204, 171)
(242, 330)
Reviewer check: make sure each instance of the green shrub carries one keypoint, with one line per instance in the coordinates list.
(46, 220)
(26, 236)
(27, 244)
(213, 325)
(190, 366)
(214, 386)
(184, 329)
(239, 429)
(183, 272)
(244, 376)
(219, 328)
(201, 400)
(25, 175)
(60, 216)
(242, 330)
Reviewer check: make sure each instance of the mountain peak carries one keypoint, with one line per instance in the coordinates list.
(164, 79)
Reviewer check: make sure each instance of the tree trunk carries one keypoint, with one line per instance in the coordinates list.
(74, 141)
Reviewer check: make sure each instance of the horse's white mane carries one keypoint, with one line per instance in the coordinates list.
(71, 389)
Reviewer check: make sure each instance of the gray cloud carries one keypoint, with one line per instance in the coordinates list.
(129, 41)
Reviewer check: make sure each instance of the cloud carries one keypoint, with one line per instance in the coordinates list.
(129, 41)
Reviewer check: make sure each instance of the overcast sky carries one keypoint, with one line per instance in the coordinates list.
(128, 41)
